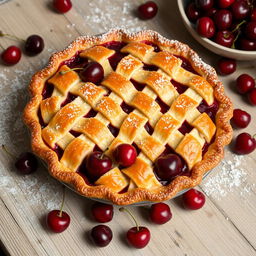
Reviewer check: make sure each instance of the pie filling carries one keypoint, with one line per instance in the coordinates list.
(140, 101)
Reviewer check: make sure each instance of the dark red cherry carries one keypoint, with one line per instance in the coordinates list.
(244, 83)
(223, 19)
(193, 199)
(225, 3)
(102, 212)
(244, 144)
(138, 237)
(148, 10)
(250, 30)
(11, 55)
(240, 9)
(101, 235)
(226, 66)
(160, 213)
(93, 72)
(253, 14)
(97, 164)
(58, 221)
(62, 6)
(252, 96)
(241, 118)
(34, 45)
(168, 167)
(192, 12)
(125, 154)
(204, 4)
(247, 45)
(26, 163)
(225, 38)
(205, 27)
(210, 12)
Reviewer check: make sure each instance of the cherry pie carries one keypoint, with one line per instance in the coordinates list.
(137, 89)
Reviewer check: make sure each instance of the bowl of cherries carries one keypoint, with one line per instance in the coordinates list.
(225, 27)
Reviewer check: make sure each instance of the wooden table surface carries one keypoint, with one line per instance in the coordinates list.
(226, 225)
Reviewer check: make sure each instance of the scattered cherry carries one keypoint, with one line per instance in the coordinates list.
(225, 38)
(250, 30)
(205, 27)
(192, 12)
(62, 6)
(240, 9)
(204, 4)
(138, 236)
(97, 164)
(252, 96)
(34, 44)
(58, 220)
(225, 3)
(223, 19)
(168, 167)
(11, 55)
(26, 163)
(160, 213)
(125, 154)
(193, 199)
(244, 83)
(102, 212)
(148, 10)
(244, 144)
(92, 72)
(241, 118)
(226, 66)
(101, 235)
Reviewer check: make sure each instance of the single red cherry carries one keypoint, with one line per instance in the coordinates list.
(240, 9)
(138, 236)
(11, 55)
(102, 212)
(125, 154)
(204, 4)
(205, 27)
(253, 14)
(252, 96)
(223, 19)
(92, 72)
(246, 44)
(34, 45)
(241, 118)
(97, 164)
(160, 213)
(225, 3)
(193, 199)
(26, 163)
(62, 6)
(148, 10)
(226, 66)
(250, 30)
(101, 235)
(244, 83)
(58, 220)
(168, 167)
(192, 12)
(244, 144)
(225, 38)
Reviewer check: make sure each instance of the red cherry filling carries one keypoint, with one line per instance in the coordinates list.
(193, 199)
(101, 235)
(58, 222)
(148, 10)
(244, 144)
(26, 163)
(92, 72)
(102, 212)
(244, 83)
(97, 164)
(125, 154)
(209, 110)
(160, 213)
(241, 118)
(62, 6)
(11, 55)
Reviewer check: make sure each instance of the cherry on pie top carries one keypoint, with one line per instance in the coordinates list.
(151, 95)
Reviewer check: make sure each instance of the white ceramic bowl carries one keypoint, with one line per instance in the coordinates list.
(210, 45)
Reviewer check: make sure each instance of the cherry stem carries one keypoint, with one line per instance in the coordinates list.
(62, 203)
(122, 209)
(66, 71)
(238, 26)
(233, 44)
(11, 36)
(7, 151)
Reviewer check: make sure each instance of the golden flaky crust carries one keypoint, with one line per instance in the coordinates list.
(210, 159)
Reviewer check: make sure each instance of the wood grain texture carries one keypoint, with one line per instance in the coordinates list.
(225, 226)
